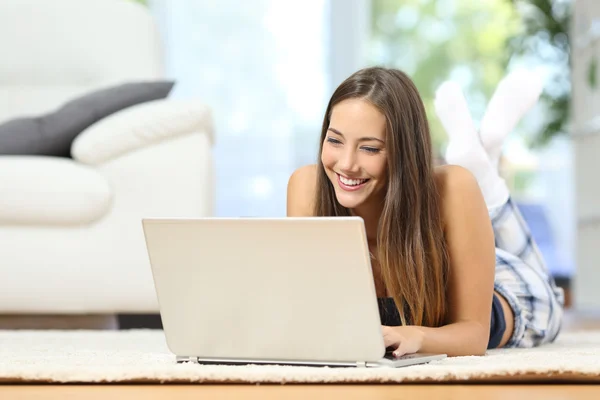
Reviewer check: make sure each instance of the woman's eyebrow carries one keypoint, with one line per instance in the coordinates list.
(362, 139)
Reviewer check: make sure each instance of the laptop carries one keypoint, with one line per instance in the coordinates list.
(287, 291)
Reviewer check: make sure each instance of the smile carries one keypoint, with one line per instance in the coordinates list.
(350, 184)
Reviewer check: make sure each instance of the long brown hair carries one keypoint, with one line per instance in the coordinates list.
(411, 248)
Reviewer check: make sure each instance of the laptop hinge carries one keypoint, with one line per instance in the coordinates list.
(361, 364)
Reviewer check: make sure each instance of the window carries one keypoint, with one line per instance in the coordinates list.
(261, 66)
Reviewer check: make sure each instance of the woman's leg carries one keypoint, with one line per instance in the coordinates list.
(515, 95)
(531, 302)
(464, 145)
(523, 283)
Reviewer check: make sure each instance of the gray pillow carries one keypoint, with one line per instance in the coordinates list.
(52, 134)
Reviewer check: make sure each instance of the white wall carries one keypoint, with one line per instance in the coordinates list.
(586, 137)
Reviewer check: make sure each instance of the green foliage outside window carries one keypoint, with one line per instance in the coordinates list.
(433, 41)
(546, 39)
(473, 42)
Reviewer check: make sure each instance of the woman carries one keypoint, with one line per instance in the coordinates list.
(455, 268)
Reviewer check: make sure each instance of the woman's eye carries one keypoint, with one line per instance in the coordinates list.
(371, 149)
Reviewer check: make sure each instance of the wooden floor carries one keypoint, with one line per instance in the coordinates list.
(573, 322)
(312, 392)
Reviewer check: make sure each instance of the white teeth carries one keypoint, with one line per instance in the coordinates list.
(352, 182)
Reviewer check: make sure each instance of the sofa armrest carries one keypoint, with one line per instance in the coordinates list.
(140, 126)
(39, 190)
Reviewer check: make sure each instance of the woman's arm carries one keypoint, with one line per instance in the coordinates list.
(470, 241)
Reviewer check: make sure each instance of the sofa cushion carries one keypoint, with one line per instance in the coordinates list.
(52, 134)
(42, 190)
(140, 126)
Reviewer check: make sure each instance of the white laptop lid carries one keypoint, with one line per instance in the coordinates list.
(266, 288)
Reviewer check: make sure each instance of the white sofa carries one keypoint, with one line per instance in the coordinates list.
(71, 239)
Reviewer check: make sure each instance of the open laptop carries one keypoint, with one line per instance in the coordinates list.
(292, 291)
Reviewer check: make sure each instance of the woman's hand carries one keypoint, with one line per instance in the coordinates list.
(403, 339)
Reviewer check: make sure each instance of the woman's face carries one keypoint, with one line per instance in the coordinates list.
(354, 155)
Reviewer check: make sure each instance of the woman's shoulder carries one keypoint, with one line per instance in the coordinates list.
(303, 179)
(301, 191)
(452, 176)
(457, 186)
(305, 172)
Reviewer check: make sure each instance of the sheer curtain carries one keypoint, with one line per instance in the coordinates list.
(265, 67)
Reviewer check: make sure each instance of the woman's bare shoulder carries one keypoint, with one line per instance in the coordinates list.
(457, 186)
(301, 191)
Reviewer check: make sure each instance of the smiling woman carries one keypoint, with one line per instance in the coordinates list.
(455, 268)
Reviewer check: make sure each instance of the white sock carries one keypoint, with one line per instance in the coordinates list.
(515, 95)
(453, 112)
(464, 146)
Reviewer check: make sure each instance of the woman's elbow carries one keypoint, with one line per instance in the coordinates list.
(477, 345)
(471, 350)
(480, 343)
(480, 350)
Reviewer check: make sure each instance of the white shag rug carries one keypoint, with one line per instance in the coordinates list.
(141, 356)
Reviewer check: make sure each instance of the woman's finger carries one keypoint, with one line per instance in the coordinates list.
(399, 352)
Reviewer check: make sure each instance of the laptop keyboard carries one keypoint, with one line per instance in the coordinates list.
(390, 356)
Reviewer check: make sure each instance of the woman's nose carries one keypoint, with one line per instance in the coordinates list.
(348, 162)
